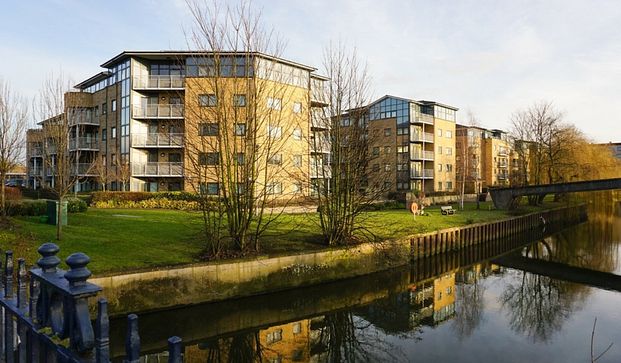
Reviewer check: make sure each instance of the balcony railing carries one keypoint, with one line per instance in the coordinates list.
(83, 169)
(160, 140)
(502, 165)
(159, 82)
(422, 155)
(422, 118)
(320, 145)
(83, 118)
(83, 143)
(319, 93)
(424, 174)
(35, 171)
(166, 111)
(422, 136)
(157, 169)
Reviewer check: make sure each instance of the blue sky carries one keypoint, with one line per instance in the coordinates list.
(489, 57)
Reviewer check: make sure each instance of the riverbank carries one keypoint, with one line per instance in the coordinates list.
(127, 240)
(208, 282)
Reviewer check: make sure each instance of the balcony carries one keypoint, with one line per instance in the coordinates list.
(421, 155)
(83, 169)
(83, 143)
(83, 118)
(36, 152)
(422, 118)
(502, 165)
(162, 111)
(319, 93)
(157, 140)
(421, 137)
(35, 172)
(320, 145)
(157, 169)
(153, 82)
(421, 174)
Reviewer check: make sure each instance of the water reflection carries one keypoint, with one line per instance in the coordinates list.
(460, 300)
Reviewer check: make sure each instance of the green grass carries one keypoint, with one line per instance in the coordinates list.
(122, 239)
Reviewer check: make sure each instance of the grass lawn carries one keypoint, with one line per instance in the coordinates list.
(124, 239)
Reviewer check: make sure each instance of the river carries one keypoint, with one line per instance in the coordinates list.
(474, 306)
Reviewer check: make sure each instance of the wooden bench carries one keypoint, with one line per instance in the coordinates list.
(446, 210)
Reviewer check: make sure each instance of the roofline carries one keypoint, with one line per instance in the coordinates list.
(318, 76)
(471, 127)
(94, 79)
(137, 53)
(439, 104)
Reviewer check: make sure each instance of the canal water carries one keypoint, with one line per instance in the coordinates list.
(476, 306)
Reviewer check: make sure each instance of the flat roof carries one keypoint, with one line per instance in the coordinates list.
(158, 54)
(94, 79)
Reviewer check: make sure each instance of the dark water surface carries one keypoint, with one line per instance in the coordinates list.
(466, 307)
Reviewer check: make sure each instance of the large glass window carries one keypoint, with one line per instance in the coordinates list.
(391, 108)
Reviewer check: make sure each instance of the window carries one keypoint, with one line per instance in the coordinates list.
(112, 159)
(297, 107)
(174, 158)
(104, 108)
(439, 167)
(240, 158)
(241, 188)
(376, 151)
(439, 132)
(387, 185)
(113, 132)
(274, 103)
(402, 166)
(275, 159)
(207, 100)
(387, 150)
(403, 149)
(297, 134)
(275, 132)
(449, 185)
(345, 122)
(449, 167)
(240, 129)
(210, 188)
(403, 131)
(209, 158)
(403, 186)
(439, 185)
(439, 149)
(239, 100)
(375, 167)
(449, 151)
(387, 132)
(104, 135)
(297, 188)
(208, 129)
(274, 188)
(297, 328)
(113, 105)
(387, 167)
(448, 134)
(297, 161)
(96, 110)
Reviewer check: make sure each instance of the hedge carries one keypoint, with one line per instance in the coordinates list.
(119, 197)
(39, 207)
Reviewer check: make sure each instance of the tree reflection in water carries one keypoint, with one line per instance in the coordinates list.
(344, 337)
(468, 304)
(538, 305)
(242, 348)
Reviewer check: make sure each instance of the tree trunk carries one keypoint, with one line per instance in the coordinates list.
(59, 218)
(3, 197)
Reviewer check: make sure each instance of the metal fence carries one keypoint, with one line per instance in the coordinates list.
(46, 318)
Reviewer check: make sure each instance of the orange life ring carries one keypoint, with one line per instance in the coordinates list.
(414, 208)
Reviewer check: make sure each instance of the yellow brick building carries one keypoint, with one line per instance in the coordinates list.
(156, 119)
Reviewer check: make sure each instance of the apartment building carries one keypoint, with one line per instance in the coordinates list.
(412, 145)
(150, 117)
(485, 158)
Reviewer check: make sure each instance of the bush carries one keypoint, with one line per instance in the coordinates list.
(153, 203)
(12, 193)
(27, 208)
(141, 196)
(76, 205)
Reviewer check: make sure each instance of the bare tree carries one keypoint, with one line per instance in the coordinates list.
(59, 135)
(101, 171)
(13, 117)
(239, 103)
(349, 185)
(469, 170)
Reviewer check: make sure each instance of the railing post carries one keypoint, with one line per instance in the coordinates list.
(9, 332)
(132, 340)
(102, 331)
(174, 350)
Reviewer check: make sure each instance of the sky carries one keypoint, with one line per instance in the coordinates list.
(488, 58)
